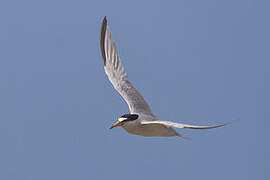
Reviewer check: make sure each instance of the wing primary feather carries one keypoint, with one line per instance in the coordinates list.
(179, 125)
(117, 75)
(102, 39)
(204, 127)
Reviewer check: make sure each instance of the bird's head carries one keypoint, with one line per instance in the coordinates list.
(124, 119)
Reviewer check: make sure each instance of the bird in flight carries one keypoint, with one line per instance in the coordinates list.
(141, 121)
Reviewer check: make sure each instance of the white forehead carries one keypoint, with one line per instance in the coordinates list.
(122, 119)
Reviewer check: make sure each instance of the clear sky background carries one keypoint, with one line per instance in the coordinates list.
(198, 62)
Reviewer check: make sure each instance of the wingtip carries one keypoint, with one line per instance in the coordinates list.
(104, 20)
(225, 124)
(102, 38)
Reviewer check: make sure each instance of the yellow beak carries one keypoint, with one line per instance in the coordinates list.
(118, 123)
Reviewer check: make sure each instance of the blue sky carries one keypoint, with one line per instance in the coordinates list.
(198, 62)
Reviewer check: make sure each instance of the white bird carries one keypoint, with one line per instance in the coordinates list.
(141, 121)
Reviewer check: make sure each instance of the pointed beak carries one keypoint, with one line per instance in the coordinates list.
(118, 123)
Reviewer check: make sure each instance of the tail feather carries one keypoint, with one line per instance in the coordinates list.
(181, 136)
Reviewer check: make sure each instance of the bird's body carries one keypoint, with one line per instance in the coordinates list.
(138, 128)
(141, 121)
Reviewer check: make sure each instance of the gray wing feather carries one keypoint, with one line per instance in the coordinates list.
(179, 125)
(117, 75)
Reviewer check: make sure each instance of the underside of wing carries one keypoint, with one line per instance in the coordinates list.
(117, 75)
(179, 125)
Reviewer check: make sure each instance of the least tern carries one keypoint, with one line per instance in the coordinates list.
(141, 121)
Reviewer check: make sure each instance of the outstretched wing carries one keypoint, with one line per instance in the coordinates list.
(179, 125)
(117, 75)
